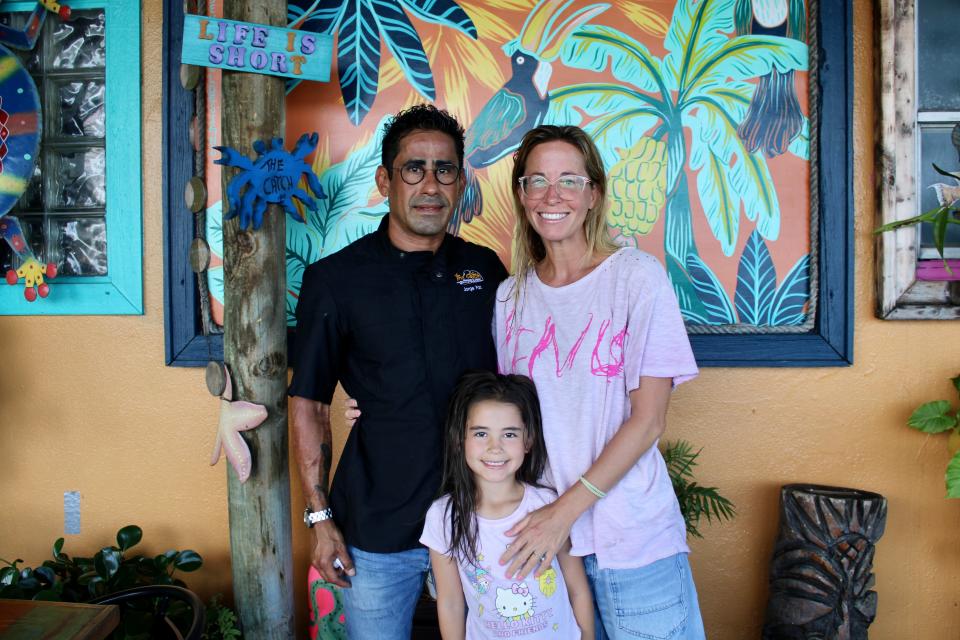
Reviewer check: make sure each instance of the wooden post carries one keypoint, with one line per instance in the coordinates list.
(255, 350)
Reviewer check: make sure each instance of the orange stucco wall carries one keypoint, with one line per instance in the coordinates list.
(87, 405)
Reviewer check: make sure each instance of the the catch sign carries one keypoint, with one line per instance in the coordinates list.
(256, 48)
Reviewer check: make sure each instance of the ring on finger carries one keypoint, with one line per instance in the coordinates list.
(543, 557)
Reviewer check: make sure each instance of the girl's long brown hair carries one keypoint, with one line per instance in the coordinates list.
(457, 481)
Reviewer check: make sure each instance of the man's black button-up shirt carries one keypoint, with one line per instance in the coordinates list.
(397, 329)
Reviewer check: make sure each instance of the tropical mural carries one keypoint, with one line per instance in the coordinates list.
(699, 108)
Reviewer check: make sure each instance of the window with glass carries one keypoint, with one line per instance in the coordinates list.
(920, 107)
(81, 210)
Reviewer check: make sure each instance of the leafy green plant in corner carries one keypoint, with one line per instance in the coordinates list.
(940, 416)
(68, 578)
(695, 501)
(221, 623)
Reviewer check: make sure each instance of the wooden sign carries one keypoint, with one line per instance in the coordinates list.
(256, 48)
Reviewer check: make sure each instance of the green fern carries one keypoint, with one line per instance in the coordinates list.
(695, 501)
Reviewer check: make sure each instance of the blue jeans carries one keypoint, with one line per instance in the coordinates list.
(382, 596)
(657, 602)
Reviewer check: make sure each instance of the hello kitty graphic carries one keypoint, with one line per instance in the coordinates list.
(515, 603)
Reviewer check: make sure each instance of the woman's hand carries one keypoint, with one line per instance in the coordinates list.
(350, 411)
(539, 536)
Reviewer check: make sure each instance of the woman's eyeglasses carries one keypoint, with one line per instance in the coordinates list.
(414, 173)
(568, 187)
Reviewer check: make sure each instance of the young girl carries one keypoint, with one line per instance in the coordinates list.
(494, 455)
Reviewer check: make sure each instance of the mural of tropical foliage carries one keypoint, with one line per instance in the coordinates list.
(697, 107)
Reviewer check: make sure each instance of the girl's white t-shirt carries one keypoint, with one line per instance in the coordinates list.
(499, 607)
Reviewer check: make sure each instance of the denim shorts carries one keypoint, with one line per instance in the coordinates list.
(655, 602)
(380, 602)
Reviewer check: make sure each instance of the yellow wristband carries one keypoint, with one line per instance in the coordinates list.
(592, 488)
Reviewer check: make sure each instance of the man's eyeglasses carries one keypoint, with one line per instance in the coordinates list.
(568, 187)
(414, 173)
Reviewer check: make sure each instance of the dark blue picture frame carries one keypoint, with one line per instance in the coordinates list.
(830, 343)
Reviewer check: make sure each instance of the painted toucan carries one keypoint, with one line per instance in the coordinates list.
(522, 102)
(774, 117)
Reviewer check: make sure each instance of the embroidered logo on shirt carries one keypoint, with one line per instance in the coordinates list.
(469, 279)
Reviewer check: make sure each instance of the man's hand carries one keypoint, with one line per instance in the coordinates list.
(330, 555)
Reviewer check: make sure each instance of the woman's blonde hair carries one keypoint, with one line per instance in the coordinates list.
(528, 247)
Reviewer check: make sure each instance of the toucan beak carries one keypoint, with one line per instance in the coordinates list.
(541, 78)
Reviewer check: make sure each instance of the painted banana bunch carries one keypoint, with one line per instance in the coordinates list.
(638, 185)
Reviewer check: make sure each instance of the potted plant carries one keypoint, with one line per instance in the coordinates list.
(695, 501)
(112, 569)
(939, 416)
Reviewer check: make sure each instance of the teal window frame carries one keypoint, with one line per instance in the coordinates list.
(120, 292)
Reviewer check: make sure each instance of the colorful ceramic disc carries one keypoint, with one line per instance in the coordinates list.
(20, 125)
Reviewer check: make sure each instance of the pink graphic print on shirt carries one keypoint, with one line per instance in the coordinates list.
(547, 342)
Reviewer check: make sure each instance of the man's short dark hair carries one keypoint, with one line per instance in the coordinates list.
(421, 117)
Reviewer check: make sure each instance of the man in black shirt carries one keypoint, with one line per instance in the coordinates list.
(396, 317)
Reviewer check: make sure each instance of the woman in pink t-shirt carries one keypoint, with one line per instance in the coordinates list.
(598, 329)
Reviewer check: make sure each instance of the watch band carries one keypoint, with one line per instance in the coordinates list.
(311, 518)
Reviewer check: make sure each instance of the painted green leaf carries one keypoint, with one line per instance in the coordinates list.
(747, 174)
(616, 116)
(733, 98)
(953, 476)
(593, 46)
(696, 29)
(746, 57)
(800, 146)
(933, 417)
(710, 158)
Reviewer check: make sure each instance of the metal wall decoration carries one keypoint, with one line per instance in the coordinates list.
(273, 177)
(821, 574)
(20, 129)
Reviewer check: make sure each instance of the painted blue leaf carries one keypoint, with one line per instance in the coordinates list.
(792, 295)
(404, 43)
(445, 12)
(358, 59)
(324, 18)
(756, 282)
(715, 300)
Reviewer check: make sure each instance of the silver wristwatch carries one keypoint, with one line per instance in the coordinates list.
(311, 518)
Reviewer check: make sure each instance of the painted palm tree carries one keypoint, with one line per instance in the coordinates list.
(701, 86)
(523, 101)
